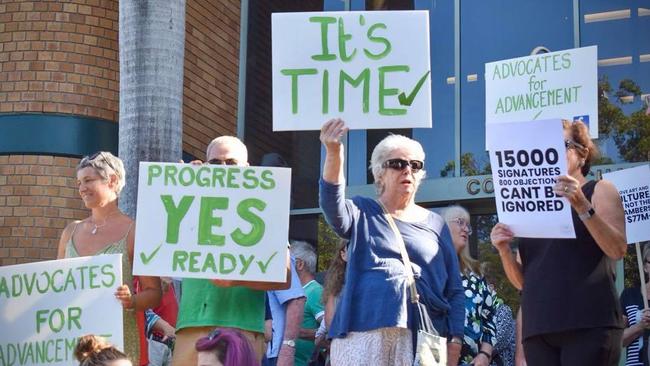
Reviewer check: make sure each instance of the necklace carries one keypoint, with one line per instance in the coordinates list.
(95, 226)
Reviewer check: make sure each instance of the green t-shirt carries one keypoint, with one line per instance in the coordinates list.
(313, 311)
(205, 305)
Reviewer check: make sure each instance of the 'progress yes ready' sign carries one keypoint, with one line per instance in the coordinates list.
(212, 221)
(370, 68)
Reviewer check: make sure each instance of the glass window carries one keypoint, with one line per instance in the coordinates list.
(299, 150)
(496, 31)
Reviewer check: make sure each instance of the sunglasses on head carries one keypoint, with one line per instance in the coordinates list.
(570, 144)
(101, 155)
(223, 162)
(401, 164)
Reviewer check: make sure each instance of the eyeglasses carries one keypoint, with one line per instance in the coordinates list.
(463, 225)
(223, 162)
(214, 334)
(570, 144)
(401, 164)
(101, 155)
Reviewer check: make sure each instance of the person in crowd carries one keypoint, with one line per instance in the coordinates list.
(334, 280)
(286, 307)
(305, 256)
(503, 353)
(371, 322)
(92, 350)
(480, 300)
(520, 355)
(100, 179)
(160, 335)
(637, 318)
(207, 304)
(225, 347)
(571, 313)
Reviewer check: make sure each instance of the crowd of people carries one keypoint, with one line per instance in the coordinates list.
(570, 313)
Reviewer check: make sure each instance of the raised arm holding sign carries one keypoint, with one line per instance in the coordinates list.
(568, 283)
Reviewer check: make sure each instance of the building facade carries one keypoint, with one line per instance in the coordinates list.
(59, 86)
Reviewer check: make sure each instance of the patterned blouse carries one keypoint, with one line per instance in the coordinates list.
(480, 309)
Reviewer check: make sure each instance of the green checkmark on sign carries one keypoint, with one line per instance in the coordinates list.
(407, 101)
(147, 258)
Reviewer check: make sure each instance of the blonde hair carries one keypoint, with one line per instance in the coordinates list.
(92, 350)
(104, 164)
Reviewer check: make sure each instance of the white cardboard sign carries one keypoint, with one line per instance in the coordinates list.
(212, 221)
(371, 68)
(562, 84)
(526, 159)
(634, 186)
(46, 306)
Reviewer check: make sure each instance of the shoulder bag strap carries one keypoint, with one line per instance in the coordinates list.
(405, 257)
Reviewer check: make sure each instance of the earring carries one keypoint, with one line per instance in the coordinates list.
(582, 163)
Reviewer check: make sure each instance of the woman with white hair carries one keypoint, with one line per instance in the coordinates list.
(100, 179)
(371, 322)
(480, 301)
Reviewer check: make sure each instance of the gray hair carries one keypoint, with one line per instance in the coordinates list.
(106, 164)
(453, 212)
(382, 151)
(305, 252)
(228, 140)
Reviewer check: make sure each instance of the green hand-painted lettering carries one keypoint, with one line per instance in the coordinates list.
(264, 265)
(257, 224)
(377, 39)
(343, 38)
(153, 171)
(178, 260)
(324, 24)
(326, 91)
(222, 262)
(407, 101)
(194, 262)
(246, 262)
(147, 258)
(364, 77)
(207, 220)
(294, 73)
(209, 264)
(175, 215)
(384, 92)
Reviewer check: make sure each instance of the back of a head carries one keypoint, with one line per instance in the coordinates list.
(305, 252)
(96, 351)
(230, 346)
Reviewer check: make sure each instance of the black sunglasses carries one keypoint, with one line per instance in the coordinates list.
(401, 164)
(223, 162)
(101, 155)
(570, 144)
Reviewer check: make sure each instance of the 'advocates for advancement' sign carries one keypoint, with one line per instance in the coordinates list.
(370, 68)
(212, 221)
(46, 306)
(561, 84)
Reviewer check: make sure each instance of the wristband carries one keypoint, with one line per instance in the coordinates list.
(489, 356)
(588, 214)
(455, 340)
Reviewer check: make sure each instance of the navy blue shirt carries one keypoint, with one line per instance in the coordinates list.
(375, 292)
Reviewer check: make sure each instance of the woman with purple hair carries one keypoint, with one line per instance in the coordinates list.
(225, 347)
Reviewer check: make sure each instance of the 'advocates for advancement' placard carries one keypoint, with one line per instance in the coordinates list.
(370, 68)
(212, 221)
(526, 159)
(561, 84)
(46, 306)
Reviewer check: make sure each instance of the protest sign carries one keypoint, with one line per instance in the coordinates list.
(561, 84)
(634, 186)
(370, 68)
(46, 306)
(526, 159)
(212, 221)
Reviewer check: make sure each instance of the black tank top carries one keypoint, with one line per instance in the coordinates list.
(568, 283)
